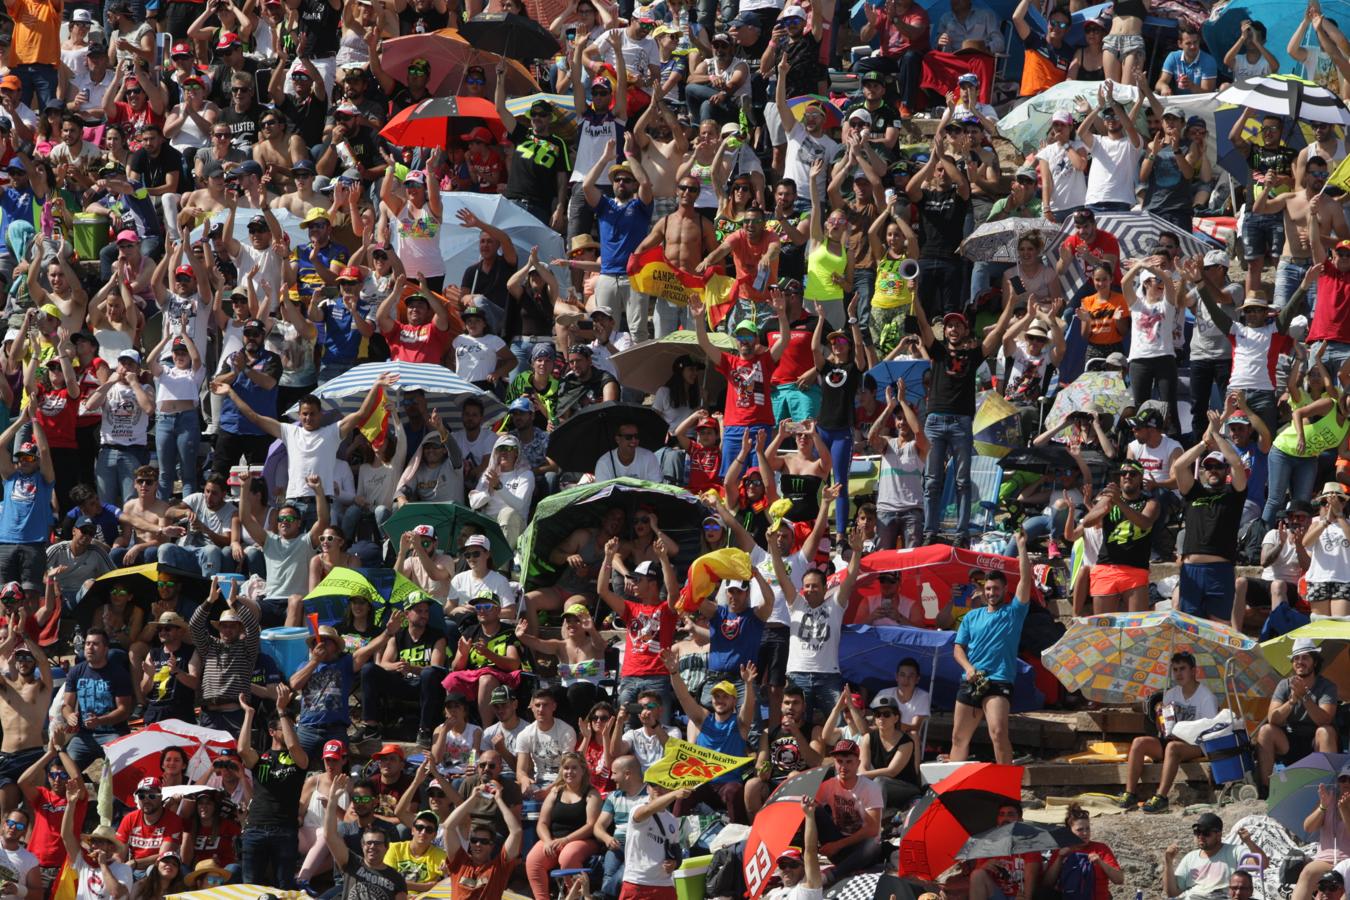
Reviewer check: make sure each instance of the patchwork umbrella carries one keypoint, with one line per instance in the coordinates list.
(833, 116)
(774, 827)
(1104, 391)
(1016, 838)
(997, 241)
(449, 520)
(649, 365)
(137, 755)
(997, 426)
(1289, 96)
(1293, 790)
(1136, 232)
(439, 121)
(450, 56)
(445, 391)
(1125, 657)
(963, 804)
(1333, 641)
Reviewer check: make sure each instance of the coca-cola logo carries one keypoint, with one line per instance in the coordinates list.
(989, 562)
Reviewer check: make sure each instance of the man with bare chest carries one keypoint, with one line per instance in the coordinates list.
(686, 237)
(25, 693)
(1296, 255)
(148, 507)
(276, 149)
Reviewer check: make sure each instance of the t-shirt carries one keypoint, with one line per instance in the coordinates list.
(1068, 186)
(45, 841)
(849, 806)
(476, 357)
(426, 867)
(545, 748)
(1285, 566)
(287, 564)
(650, 843)
(474, 882)
(1124, 543)
(990, 638)
(15, 865)
(1212, 520)
(534, 166)
(647, 748)
(748, 397)
(1256, 351)
(96, 692)
(1114, 172)
(953, 374)
(1331, 314)
(263, 401)
(620, 806)
(123, 422)
(942, 220)
(143, 839)
(838, 386)
(919, 705)
(417, 343)
(650, 628)
(622, 228)
(1207, 341)
(324, 698)
(1329, 558)
(803, 149)
(900, 481)
(1196, 71)
(310, 453)
(26, 514)
(89, 883)
(364, 883)
(1201, 704)
(277, 782)
(733, 639)
(813, 645)
(1151, 328)
(1168, 189)
(1204, 877)
(1323, 691)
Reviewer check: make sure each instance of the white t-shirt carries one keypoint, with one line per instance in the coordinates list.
(1114, 173)
(849, 806)
(1251, 357)
(266, 259)
(813, 645)
(82, 80)
(1157, 461)
(475, 450)
(644, 466)
(466, 586)
(89, 884)
(647, 748)
(1068, 186)
(802, 151)
(458, 748)
(911, 710)
(1284, 567)
(309, 453)
(1329, 559)
(644, 849)
(124, 421)
(476, 358)
(192, 311)
(1151, 327)
(546, 748)
(15, 865)
(639, 56)
(510, 736)
(1199, 705)
(594, 132)
(796, 566)
(1242, 68)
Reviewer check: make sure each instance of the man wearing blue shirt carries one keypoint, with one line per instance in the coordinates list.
(28, 188)
(253, 372)
(346, 321)
(625, 219)
(986, 648)
(26, 510)
(1188, 70)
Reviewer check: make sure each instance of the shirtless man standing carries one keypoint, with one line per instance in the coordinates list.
(663, 145)
(304, 197)
(687, 237)
(25, 693)
(276, 151)
(1296, 256)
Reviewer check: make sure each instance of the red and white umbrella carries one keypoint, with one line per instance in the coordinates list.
(137, 755)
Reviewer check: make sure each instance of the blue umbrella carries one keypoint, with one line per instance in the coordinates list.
(445, 391)
(911, 371)
(459, 245)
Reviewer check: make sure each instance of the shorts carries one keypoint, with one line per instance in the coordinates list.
(1301, 738)
(1207, 589)
(992, 689)
(1262, 236)
(646, 892)
(1108, 578)
(1124, 45)
(12, 765)
(773, 655)
(1258, 593)
(1324, 591)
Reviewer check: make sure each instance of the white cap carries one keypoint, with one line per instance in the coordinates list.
(477, 540)
(790, 11)
(861, 113)
(1217, 258)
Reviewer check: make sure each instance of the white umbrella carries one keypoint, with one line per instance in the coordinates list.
(445, 391)
(1286, 95)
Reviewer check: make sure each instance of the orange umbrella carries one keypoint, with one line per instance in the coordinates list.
(449, 55)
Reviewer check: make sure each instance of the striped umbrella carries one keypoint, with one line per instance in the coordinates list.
(564, 111)
(436, 121)
(1287, 95)
(1136, 232)
(445, 391)
(833, 117)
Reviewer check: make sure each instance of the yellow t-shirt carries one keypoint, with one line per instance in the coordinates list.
(428, 867)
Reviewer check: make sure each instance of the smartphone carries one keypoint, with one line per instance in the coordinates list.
(1018, 286)
(570, 34)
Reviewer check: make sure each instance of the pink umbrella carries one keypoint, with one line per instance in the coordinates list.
(137, 755)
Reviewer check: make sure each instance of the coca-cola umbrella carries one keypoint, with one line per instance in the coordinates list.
(440, 121)
(137, 755)
(929, 577)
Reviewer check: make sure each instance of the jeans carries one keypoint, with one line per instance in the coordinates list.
(985, 275)
(313, 737)
(1205, 375)
(632, 685)
(821, 690)
(86, 746)
(701, 105)
(791, 402)
(24, 563)
(733, 435)
(355, 516)
(36, 78)
(1288, 276)
(668, 317)
(114, 470)
(378, 685)
(270, 855)
(1162, 372)
(940, 286)
(1036, 527)
(907, 523)
(1264, 404)
(949, 436)
(209, 560)
(177, 436)
(1295, 474)
(840, 442)
(864, 285)
(613, 875)
(1334, 354)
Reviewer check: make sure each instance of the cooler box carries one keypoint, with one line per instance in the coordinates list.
(287, 646)
(229, 583)
(91, 234)
(1229, 756)
(531, 809)
(691, 878)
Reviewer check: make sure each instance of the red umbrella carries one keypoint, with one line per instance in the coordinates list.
(137, 755)
(775, 826)
(928, 577)
(436, 121)
(964, 803)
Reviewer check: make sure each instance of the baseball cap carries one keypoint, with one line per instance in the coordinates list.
(791, 853)
(955, 317)
(792, 12)
(213, 169)
(725, 687)
(501, 694)
(745, 326)
(84, 522)
(227, 40)
(1214, 456)
(250, 167)
(705, 422)
(541, 107)
(126, 234)
(183, 270)
(478, 134)
(1027, 173)
(844, 746)
(520, 404)
(12, 591)
(1146, 418)
(646, 568)
(506, 442)
(424, 530)
(253, 325)
(1174, 112)
(133, 355)
(969, 78)
(735, 584)
(388, 750)
(744, 20)
(1063, 117)
(1217, 258)
(82, 15)
(148, 783)
(862, 114)
(27, 448)
(11, 82)
(721, 38)
(334, 750)
(872, 76)
(1208, 822)
(182, 48)
(349, 273)
(576, 611)
(478, 540)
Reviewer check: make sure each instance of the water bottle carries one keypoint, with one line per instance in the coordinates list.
(1138, 895)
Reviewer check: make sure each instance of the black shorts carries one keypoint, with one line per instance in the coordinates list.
(1258, 592)
(994, 689)
(773, 656)
(12, 765)
(1300, 739)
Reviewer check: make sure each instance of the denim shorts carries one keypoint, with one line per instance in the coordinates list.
(1262, 236)
(1123, 45)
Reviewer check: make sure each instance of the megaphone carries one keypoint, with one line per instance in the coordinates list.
(909, 269)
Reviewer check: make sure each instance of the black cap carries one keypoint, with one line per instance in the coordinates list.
(253, 325)
(787, 283)
(1208, 822)
(1146, 418)
(1331, 880)
(582, 349)
(213, 169)
(1301, 506)
(542, 107)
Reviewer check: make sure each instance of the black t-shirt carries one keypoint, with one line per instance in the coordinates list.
(785, 752)
(883, 117)
(942, 219)
(532, 171)
(166, 691)
(575, 394)
(838, 388)
(1123, 543)
(805, 71)
(410, 21)
(222, 77)
(307, 116)
(1212, 520)
(154, 170)
(531, 315)
(416, 651)
(953, 390)
(364, 883)
(791, 257)
(277, 781)
(323, 24)
(243, 125)
(491, 284)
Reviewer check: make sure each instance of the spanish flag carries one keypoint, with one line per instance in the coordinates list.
(376, 424)
(687, 765)
(650, 273)
(710, 570)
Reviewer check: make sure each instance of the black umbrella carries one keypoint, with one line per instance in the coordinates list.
(874, 886)
(1038, 459)
(506, 34)
(1016, 838)
(576, 444)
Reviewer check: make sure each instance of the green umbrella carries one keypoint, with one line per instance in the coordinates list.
(449, 520)
(384, 588)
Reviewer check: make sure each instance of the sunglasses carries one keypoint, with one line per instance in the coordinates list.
(119, 590)
(479, 841)
(472, 554)
(288, 518)
(484, 607)
(145, 481)
(628, 437)
(241, 90)
(712, 526)
(1059, 26)
(373, 844)
(475, 81)
(363, 799)
(131, 92)
(689, 188)
(425, 829)
(17, 826)
(789, 864)
(1214, 467)
(651, 705)
(148, 795)
(59, 775)
(790, 21)
(885, 714)
(257, 229)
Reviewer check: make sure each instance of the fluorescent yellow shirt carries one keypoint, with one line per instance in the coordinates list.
(429, 867)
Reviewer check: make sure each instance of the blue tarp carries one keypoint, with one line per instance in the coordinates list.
(1280, 17)
(868, 656)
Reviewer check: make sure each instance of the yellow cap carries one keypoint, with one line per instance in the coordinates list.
(577, 609)
(725, 687)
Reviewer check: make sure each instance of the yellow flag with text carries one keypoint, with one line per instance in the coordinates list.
(687, 765)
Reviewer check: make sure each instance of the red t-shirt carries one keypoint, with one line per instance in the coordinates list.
(45, 842)
(417, 343)
(747, 389)
(144, 839)
(1331, 318)
(217, 844)
(131, 121)
(705, 466)
(1102, 243)
(746, 256)
(650, 629)
(796, 359)
(56, 413)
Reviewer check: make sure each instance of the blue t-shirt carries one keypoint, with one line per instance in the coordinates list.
(26, 513)
(1258, 466)
(1203, 67)
(622, 228)
(990, 638)
(733, 640)
(17, 206)
(96, 692)
(107, 520)
(324, 699)
(307, 279)
(724, 737)
(341, 338)
(263, 402)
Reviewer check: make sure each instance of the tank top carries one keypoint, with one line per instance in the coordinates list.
(112, 341)
(892, 291)
(1319, 436)
(419, 241)
(879, 757)
(567, 817)
(804, 492)
(1124, 544)
(821, 264)
(189, 137)
(707, 197)
(1086, 74)
(352, 49)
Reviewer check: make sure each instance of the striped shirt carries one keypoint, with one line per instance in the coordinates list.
(226, 668)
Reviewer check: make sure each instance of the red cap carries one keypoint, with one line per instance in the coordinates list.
(388, 750)
(149, 783)
(844, 746)
(182, 48)
(184, 270)
(1342, 245)
(194, 79)
(790, 853)
(478, 134)
(227, 40)
(706, 422)
(349, 273)
(126, 234)
(955, 317)
(334, 750)
(131, 82)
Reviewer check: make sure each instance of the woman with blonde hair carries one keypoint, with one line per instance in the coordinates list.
(566, 825)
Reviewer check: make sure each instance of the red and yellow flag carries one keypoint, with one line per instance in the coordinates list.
(376, 424)
(687, 765)
(650, 273)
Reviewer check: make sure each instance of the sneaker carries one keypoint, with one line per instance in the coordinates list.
(424, 738)
(363, 731)
(1155, 804)
(1127, 800)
